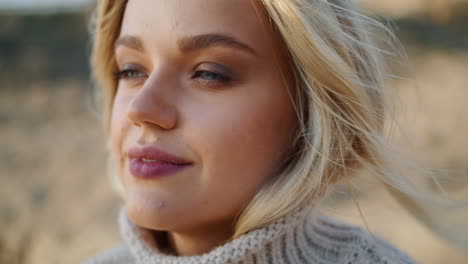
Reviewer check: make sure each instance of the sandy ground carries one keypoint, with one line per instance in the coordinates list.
(56, 205)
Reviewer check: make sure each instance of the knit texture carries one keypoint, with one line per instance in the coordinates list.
(300, 237)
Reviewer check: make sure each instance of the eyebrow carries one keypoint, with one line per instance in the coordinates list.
(191, 43)
(197, 42)
(131, 42)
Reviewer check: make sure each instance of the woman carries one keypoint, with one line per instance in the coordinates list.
(229, 121)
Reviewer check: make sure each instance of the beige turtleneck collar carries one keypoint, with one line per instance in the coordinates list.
(300, 237)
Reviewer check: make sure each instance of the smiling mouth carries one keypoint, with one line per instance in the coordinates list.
(149, 162)
(161, 161)
(151, 169)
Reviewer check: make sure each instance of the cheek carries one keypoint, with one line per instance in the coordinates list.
(241, 143)
(119, 123)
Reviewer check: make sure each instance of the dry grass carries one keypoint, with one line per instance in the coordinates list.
(55, 205)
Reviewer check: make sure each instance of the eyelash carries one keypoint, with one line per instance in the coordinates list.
(218, 77)
(124, 74)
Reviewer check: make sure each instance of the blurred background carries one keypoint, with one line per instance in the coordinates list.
(56, 205)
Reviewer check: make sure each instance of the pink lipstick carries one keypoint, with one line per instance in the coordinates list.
(149, 162)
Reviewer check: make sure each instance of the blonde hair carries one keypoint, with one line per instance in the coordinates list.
(338, 59)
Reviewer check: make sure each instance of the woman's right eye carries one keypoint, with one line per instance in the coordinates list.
(128, 74)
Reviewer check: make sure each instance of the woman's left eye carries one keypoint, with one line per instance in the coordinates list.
(210, 76)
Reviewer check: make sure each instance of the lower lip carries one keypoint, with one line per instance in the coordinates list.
(149, 170)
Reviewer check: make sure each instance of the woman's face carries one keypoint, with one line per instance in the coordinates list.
(203, 80)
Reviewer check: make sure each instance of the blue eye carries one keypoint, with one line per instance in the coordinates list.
(128, 74)
(210, 76)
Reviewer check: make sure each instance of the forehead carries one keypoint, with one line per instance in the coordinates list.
(165, 21)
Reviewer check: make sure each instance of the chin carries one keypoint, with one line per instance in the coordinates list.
(150, 211)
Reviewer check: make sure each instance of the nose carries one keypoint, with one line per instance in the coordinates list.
(152, 105)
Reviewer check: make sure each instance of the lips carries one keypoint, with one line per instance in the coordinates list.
(150, 162)
(152, 153)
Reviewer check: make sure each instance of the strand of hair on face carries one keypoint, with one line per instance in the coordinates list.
(353, 196)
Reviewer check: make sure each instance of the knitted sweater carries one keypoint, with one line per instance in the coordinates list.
(296, 238)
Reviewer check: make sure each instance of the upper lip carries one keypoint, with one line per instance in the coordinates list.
(152, 153)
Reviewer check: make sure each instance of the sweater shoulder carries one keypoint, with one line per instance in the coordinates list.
(355, 245)
(116, 255)
(375, 249)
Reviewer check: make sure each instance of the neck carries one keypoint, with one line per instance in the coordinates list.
(211, 243)
(200, 240)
